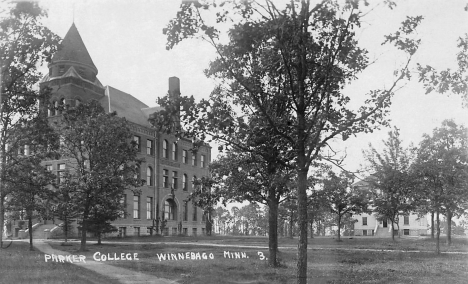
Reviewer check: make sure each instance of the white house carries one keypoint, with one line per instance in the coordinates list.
(368, 225)
(409, 225)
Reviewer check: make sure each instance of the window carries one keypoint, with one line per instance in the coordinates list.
(61, 141)
(165, 153)
(406, 232)
(364, 221)
(203, 217)
(49, 168)
(184, 230)
(165, 178)
(184, 156)
(20, 150)
(202, 161)
(194, 178)
(61, 69)
(149, 176)
(364, 232)
(194, 213)
(174, 180)
(149, 147)
(136, 139)
(26, 150)
(123, 202)
(60, 106)
(137, 172)
(136, 207)
(194, 231)
(194, 159)
(406, 220)
(136, 232)
(185, 211)
(149, 208)
(52, 108)
(184, 182)
(169, 209)
(174, 151)
(122, 232)
(61, 173)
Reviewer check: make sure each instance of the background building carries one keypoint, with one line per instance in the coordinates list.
(169, 166)
(368, 225)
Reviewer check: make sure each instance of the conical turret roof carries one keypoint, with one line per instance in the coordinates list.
(73, 49)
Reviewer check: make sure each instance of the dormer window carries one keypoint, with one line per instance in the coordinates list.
(61, 69)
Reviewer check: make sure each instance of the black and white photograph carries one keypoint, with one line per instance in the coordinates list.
(234, 141)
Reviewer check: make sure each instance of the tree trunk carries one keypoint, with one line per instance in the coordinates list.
(393, 229)
(99, 238)
(339, 227)
(311, 230)
(30, 228)
(273, 231)
(449, 227)
(65, 228)
(2, 216)
(302, 221)
(84, 229)
(432, 225)
(291, 225)
(438, 232)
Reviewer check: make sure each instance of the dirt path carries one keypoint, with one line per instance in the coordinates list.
(120, 275)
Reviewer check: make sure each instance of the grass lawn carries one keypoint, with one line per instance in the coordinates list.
(329, 261)
(20, 265)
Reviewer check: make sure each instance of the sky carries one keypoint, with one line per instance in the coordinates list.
(126, 43)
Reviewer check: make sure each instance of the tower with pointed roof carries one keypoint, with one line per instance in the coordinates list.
(170, 167)
(72, 73)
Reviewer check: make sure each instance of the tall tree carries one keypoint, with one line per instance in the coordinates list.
(244, 176)
(342, 198)
(29, 180)
(102, 160)
(25, 44)
(442, 168)
(288, 66)
(391, 182)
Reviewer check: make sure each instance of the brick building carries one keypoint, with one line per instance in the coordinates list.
(169, 166)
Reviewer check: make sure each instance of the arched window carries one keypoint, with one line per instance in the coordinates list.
(59, 106)
(184, 182)
(52, 108)
(149, 176)
(174, 151)
(165, 153)
(186, 211)
(169, 210)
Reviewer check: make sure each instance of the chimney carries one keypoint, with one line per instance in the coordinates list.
(174, 93)
(174, 87)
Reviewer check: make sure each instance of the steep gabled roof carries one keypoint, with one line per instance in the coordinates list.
(125, 105)
(73, 49)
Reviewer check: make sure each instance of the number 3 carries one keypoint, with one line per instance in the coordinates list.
(260, 254)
